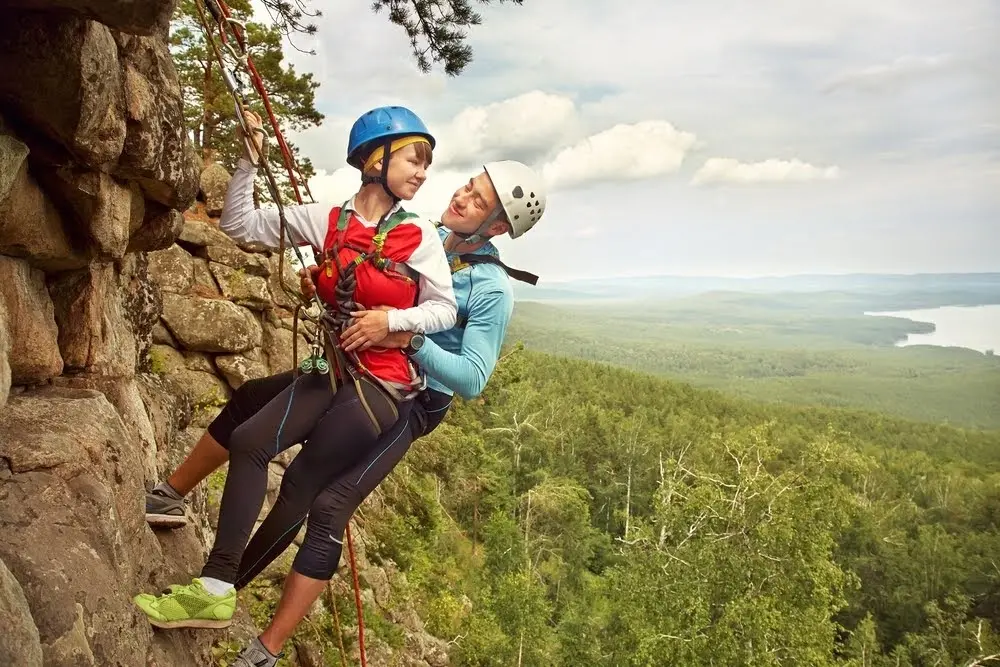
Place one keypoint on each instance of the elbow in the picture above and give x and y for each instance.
(241, 227)
(467, 393)
(446, 318)
(473, 388)
(229, 224)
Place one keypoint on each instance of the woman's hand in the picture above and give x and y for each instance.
(370, 327)
(256, 127)
(307, 280)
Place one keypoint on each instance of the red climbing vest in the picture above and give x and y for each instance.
(382, 278)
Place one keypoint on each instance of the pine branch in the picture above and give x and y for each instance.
(435, 29)
(289, 18)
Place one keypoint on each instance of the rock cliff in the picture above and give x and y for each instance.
(126, 320)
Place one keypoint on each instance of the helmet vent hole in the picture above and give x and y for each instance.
(517, 192)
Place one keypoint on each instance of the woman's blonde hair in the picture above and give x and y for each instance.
(423, 147)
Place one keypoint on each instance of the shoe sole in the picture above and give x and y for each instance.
(191, 623)
(166, 520)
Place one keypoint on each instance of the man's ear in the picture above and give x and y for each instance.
(498, 227)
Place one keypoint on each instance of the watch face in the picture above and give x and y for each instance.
(417, 342)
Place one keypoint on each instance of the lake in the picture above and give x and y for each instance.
(973, 327)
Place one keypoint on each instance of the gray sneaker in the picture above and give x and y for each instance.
(256, 655)
(163, 511)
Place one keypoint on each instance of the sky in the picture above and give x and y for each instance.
(708, 137)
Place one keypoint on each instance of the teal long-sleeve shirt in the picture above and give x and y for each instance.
(461, 359)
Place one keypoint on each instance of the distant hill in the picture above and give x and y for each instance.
(975, 288)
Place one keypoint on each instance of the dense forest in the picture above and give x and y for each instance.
(815, 349)
(579, 514)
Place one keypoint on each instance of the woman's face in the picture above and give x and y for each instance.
(408, 170)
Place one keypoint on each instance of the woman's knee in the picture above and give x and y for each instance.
(247, 399)
(244, 398)
(247, 443)
(295, 490)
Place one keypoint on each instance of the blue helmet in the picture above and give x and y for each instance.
(379, 125)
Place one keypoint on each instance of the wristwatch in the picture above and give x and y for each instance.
(416, 342)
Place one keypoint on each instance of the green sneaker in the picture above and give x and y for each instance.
(188, 606)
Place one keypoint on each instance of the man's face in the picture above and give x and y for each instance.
(471, 205)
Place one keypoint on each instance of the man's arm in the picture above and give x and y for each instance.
(466, 373)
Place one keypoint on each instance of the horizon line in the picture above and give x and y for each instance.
(761, 276)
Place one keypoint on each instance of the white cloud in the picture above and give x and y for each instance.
(529, 128)
(623, 152)
(728, 170)
(745, 79)
(521, 127)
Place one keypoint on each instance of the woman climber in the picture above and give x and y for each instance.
(373, 253)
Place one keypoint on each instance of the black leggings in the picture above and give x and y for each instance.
(336, 431)
(344, 489)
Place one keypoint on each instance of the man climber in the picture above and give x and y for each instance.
(507, 197)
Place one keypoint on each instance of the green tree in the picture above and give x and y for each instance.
(209, 110)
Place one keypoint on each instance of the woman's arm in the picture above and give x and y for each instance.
(240, 220)
(436, 308)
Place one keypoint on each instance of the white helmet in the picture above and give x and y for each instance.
(521, 193)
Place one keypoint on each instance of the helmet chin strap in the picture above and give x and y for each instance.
(383, 178)
(477, 236)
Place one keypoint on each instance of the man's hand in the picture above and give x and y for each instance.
(307, 280)
(370, 327)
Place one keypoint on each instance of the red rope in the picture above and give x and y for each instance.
(286, 155)
(357, 598)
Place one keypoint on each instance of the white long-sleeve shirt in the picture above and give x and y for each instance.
(436, 309)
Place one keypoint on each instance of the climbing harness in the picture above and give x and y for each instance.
(374, 251)
(464, 260)
(322, 340)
